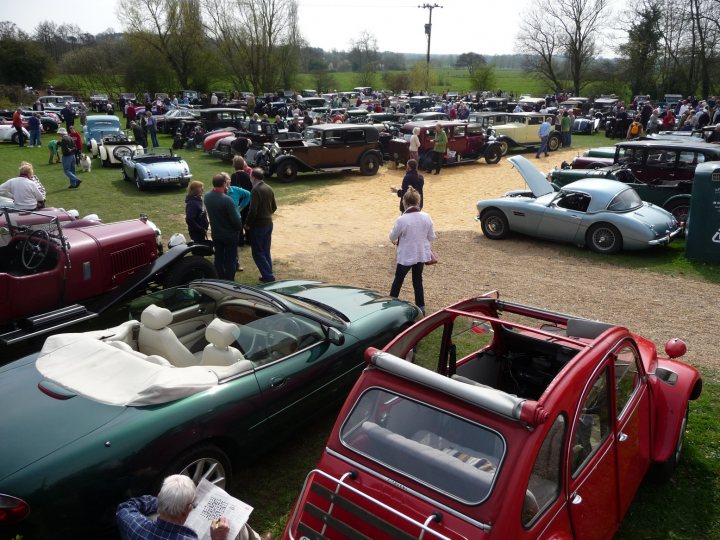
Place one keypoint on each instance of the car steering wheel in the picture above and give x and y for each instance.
(35, 249)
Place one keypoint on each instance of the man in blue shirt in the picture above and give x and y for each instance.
(544, 134)
(173, 505)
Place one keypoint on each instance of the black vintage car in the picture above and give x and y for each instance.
(220, 117)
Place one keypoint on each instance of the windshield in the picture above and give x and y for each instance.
(438, 449)
(313, 135)
(625, 200)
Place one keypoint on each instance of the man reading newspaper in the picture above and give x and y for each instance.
(186, 513)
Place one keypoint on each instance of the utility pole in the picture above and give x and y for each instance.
(428, 31)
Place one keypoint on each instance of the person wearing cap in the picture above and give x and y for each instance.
(67, 149)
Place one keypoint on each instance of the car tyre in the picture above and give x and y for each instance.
(662, 472)
(604, 238)
(187, 269)
(369, 165)
(494, 224)
(139, 183)
(679, 208)
(553, 142)
(493, 154)
(205, 462)
(503, 148)
(287, 171)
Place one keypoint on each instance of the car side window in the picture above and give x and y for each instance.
(459, 132)
(592, 425)
(627, 378)
(546, 475)
(355, 136)
(578, 202)
(334, 137)
(687, 160)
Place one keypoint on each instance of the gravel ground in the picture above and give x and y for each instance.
(340, 235)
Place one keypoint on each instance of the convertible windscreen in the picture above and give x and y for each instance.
(438, 449)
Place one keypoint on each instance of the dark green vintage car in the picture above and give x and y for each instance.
(199, 381)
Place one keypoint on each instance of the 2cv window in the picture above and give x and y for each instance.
(544, 483)
(447, 453)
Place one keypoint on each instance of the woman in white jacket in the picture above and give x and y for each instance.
(412, 232)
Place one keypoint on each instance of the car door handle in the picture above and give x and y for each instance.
(576, 499)
(622, 437)
(276, 382)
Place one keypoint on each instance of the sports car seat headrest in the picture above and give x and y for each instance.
(155, 317)
(221, 334)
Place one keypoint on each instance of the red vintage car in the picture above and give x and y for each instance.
(56, 271)
(467, 143)
(490, 419)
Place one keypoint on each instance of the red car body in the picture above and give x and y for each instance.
(55, 271)
(539, 429)
(212, 138)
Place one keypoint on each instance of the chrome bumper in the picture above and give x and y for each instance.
(667, 239)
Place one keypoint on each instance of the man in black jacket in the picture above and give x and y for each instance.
(260, 224)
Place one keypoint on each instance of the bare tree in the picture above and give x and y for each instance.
(365, 58)
(259, 41)
(172, 29)
(538, 40)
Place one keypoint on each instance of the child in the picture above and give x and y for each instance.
(53, 146)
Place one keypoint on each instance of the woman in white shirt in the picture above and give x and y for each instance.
(414, 144)
(412, 232)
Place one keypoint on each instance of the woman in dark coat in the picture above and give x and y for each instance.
(411, 179)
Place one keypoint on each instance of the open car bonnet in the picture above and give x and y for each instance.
(535, 180)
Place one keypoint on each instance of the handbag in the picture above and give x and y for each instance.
(433, 258)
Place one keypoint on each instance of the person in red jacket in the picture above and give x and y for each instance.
(78, 142)
(668, 121)
(17, 123)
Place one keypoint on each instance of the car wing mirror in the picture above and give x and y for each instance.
(335, 336)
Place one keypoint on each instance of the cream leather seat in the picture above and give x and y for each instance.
(156, 338)
(218, 352)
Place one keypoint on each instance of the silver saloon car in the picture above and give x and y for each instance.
(606, 215)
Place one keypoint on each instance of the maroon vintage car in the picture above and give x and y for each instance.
(490, 419)
(466, 143)
(56, 271)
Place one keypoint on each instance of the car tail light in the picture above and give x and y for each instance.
(12, 509)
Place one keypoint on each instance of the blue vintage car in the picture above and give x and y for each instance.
(603, 214)
(201, 380)
(99, 126)
(155, 167)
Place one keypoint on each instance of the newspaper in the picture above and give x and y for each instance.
(212, 503)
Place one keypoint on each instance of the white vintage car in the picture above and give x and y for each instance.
(114, 148)
(9, 133)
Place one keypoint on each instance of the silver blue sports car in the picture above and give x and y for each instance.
(156, 167)
(606, 215)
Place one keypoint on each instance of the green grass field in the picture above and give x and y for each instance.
(686, 508)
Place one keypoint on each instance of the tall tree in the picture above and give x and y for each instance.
(470, 61)
(538, 40)
(172, 29)
(365, 58)
(259, 41)
(641, 51)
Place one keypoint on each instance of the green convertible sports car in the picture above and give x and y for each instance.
(200, 380)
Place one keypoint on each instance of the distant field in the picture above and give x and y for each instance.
(508, 80)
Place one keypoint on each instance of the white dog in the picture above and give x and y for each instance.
(85, 163)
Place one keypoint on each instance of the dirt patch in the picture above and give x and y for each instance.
(341, 235)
